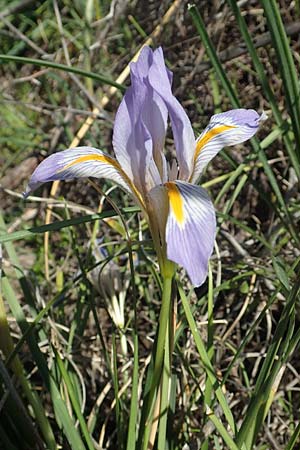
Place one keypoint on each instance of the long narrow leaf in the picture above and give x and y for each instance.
(287, 66)
(205, 360)
(227, 86)
(55, 226)
(63, 67)
(265, 84)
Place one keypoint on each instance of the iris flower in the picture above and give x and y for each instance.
(180, 213)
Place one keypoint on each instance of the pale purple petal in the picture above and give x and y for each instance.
(77, 163)
(224, 129)
(184, 138)
(191, 229)
(140, 125)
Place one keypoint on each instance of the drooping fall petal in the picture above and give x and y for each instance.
(191, 229)
(224, 129)
(77, 163)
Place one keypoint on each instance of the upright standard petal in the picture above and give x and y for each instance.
(184, 138)
(224, 129)
(77, 163)
(191, 229)
(140, 127)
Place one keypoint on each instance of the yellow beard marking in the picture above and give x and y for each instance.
(110, 162)
(210, 135)
(176, 202)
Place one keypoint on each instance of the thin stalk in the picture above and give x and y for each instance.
(131, 437)
(210, 337)
(159, 356)
(165, 390)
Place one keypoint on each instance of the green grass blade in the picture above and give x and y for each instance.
(205, 360)
(134, 406)
(287, 66)
(55, 226)
(275, 358)
(294, 439)
(164, 394)
(230, 444)
(74, 401)
(228, 88)
(59, 405)
(63, 67)
(265, 85)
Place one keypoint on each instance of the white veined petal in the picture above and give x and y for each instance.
(190, 229)
(224, 129)
(79, 162)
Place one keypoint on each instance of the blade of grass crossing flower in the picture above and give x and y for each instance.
(287, 66)
(228, 88)
(206, 361)
(74, 401)
(265, 85)
(55, 226)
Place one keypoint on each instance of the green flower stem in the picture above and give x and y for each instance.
(165, 391)
(167, 272)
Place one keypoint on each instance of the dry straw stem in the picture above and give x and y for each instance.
(96, 110)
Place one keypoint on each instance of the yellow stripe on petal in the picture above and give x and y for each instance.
(110, 162)
(101, 158)
(210, 135)
(176, 201)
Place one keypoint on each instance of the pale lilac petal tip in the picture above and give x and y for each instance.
(224, 129)
(142, 65)
(239, 117)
